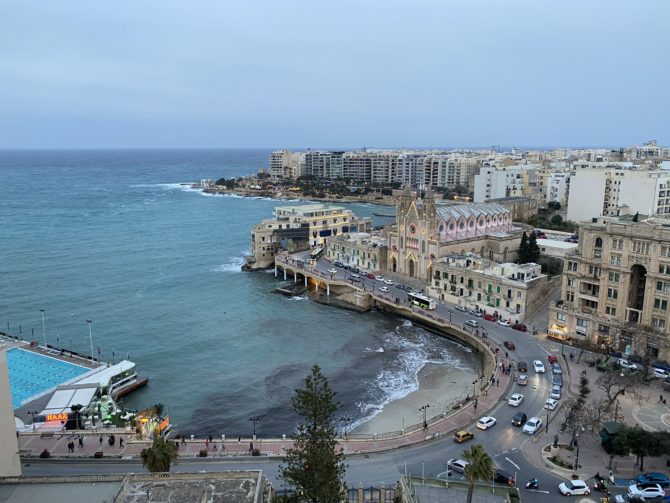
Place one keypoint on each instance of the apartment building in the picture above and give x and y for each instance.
(557, 188)
(498, 182)
(362, 250)
(324, 164)
(297, 228)
(478, 283)
(616, 287)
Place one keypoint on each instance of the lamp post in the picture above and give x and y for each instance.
(33, 413)
(424, 408)
(44, 329)
(474, 388)
(255, 420)
(90, 336)
(481, 383)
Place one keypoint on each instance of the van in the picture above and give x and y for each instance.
(472, 323)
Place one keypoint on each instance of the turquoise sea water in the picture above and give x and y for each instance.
(112, 237)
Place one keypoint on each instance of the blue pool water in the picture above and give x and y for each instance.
(31, 374)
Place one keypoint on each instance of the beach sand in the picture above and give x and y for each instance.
(440, 387)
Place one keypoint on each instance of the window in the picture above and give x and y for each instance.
(658, 323)
(662, 286)
(581, 322)
(612, 293)
(611, 310)
(570, 297)
(665, 251)
(594, 271)
(613, 277)
(571, 282)
(572, 266)
(560, 316)
(617, 244)
(518, 294)
(615, 260)
(641, 247)
(661, 304)
(664, 269)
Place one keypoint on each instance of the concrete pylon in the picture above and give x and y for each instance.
(10, 463)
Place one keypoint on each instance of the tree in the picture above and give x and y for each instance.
(523, 249)
(314, 465)
(479, 467)
(615, 383)
(557, 220)
(159, 456)
(642, 443)
(533, 250)
(76, 410)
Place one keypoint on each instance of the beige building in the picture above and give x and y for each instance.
(360, 249)
(424, 233)
(616, 287)
(477, 283)
(297, 228)
(10, 463)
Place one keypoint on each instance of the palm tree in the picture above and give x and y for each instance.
(158, 457)
(479, 467)
(76, 410)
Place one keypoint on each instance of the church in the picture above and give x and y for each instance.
(425, 232)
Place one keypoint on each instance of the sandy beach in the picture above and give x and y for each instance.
(439, 386)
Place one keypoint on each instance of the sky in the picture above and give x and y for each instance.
(333, 74)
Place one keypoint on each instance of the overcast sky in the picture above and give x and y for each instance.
(333, 73)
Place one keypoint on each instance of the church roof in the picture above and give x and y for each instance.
(476, 210)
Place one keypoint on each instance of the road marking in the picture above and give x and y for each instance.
(513, 464)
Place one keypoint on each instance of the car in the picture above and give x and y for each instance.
(462, 436)
(486, 422)
(457, 465)
(504, 323)
(356, 270)
(626, 364)
(515, 400)
(522, 367)
(520, 327)
(355, 276)
(632, 498)
(399, 286)
(661, 364)
(460, 308)
(572, 487)
(384, 289)
(647, 490)
(379, 278)
(472, 323)
(509, 345)
(522, 380)
(519, 419)
(332, 270)
(532, 425)
(338, 263)
(557, 380)
(489, 317)
(538, 366)
(476, 313)
(370, 275)
(653, 478)
(550, 404)
(502, 477)
(660, 373)
(556, 368)
(555, 393)
(388, 282)
(552, 359)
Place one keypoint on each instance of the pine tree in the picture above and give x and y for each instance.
(523, 249)
(314, 466)
(533, 251)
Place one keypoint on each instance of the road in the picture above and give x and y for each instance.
(502, 441)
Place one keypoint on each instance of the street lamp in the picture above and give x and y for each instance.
(474, 388)
(424, 408)
(44, 329)
(33, 413)
(90, 336)
(577, 456)
(255, 420)
(481, 382)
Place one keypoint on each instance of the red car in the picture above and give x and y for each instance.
(371, 276)
(489, 317)
(552, 358)
(520, 327)
(509, 345)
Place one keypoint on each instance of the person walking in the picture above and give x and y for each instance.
(100, 440)
(120, 442)
(80, 440)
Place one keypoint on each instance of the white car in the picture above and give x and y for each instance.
(572, 487)
(532, 425)
(332, 270)
(555, 393)
(515, 400)
(463, 309)
(379, 278)
(626, 364)
(647, 490)
(538, 366)
(383, 289)
(486, 422)
(388, 282)
(472, 323)
(457, 465)
(504, 323)
(550, 404)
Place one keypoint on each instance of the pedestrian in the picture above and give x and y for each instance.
(176, 444)
(475, 404)
(100, 440)
(506, 354)
(80, 440)
(660, 399)
(120, 442)
(497, 382)
(183, 440)
(572, 356)
(207, 443)
(251, 447)
(214, 446)
(664, 401)
(239, 438)
(210, 438)
(223, 446)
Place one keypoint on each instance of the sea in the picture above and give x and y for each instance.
(119, 238)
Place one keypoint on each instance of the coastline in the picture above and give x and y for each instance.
(440, 386)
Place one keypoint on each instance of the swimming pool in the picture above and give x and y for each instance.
(32, 374)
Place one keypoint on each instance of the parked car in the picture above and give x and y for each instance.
(509, 345)
(462, 436)
(338, 263)
(520, 327)
(556, 368)
(515, 400)
(522, 367)
(538, 366)
(504, 323)
(399, 286)
(502, 477)
(384, 289)
(522, 380)
(573, 487)
(519, 419)
(660, 373)
(627, 364)
(555, 393)
(457, 465)
(557, 380)
(460, 308)
(647, 490)
(476, 313)
(653, 478)
(550, 404)
(472, 323)
(489, 317)
(355, 277)
(552, 359)
(660, 364)
(388, 282)
(379, 278)
(486, 422)
(370, 276)
(332, 270)
(532, 425)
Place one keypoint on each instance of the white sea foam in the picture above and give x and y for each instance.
(298, 297)
(234, 264)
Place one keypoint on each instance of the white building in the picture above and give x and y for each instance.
(557, 184)
(497, 183)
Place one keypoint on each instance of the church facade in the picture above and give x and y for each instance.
(425, 232)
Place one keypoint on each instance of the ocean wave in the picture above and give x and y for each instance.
(234, 264)
(378, 350)
(298, 297)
